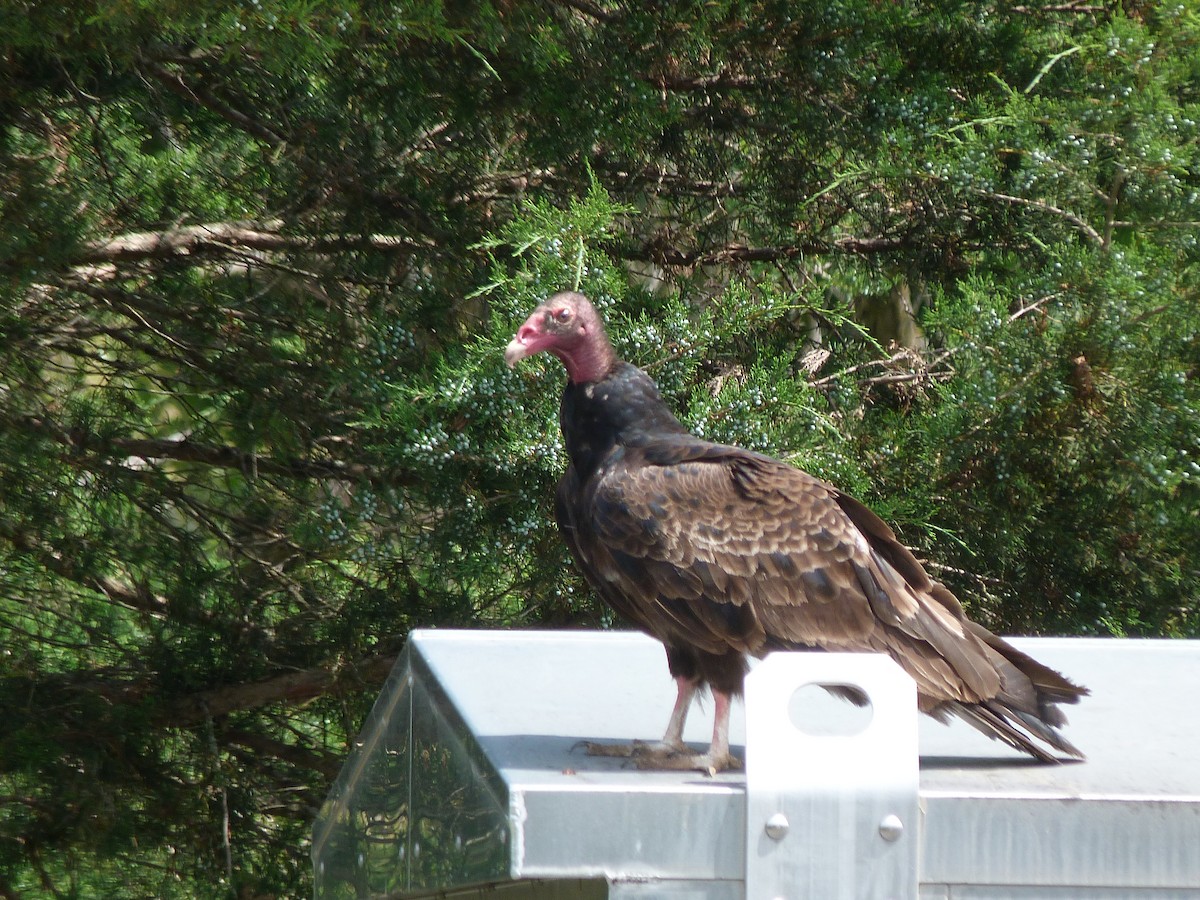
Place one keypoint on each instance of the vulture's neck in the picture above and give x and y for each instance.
(622, 409)
(592, 361)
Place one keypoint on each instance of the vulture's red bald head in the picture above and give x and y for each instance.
(567, 326)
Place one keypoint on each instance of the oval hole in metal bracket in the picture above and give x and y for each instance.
(830, 710)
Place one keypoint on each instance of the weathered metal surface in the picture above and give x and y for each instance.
(831, 804)
(468, 773)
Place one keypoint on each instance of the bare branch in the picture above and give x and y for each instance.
(1078, 8)
(187, 450)
(865, 245)
(896, 359)
(291, 689)
(735, 253)
(135, 450)
(222, 237)
(1111, 199)
(328, 764)
(1087, 230)
(718, 81)
(128, 595)
(198, 95)
(591, 10)
(975, 576)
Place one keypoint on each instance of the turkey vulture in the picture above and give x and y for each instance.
(721, 553)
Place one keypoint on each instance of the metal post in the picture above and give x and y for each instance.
(831, 816)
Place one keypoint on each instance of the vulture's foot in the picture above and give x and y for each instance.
(666, 757)
(638, 750)
(709, 763)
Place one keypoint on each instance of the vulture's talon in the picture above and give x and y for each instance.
(705, 763)
(637, 750)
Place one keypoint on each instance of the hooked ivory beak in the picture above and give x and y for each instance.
(515, 352)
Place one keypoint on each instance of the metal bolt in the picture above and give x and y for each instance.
(890, 828)
(776, 827)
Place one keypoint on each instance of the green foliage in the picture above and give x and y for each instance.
(1075, 431)
(258, 262)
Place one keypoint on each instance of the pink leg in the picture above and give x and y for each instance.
(718, 751)
(717, 759)
(672, 753)
(683, 702)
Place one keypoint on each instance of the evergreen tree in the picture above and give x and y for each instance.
(259, 260)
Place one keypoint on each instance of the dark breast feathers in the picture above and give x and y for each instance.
(723, 552)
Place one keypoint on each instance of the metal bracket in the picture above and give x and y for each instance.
(831, 812)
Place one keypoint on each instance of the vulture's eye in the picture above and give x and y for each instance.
(563, 315)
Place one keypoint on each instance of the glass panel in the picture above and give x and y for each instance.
(460, 826)
(416, 805)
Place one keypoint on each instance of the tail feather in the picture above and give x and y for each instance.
(1019, 730)
(1049, 734)
(1050, 685)
(1024, 713)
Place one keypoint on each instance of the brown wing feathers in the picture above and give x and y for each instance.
(733, 551)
